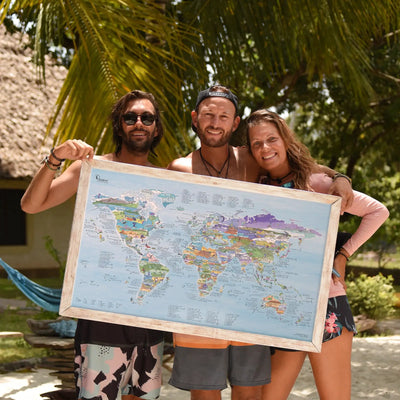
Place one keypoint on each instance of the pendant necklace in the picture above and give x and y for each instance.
(279, 180)
(207, 164)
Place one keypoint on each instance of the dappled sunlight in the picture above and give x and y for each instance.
(375, 371)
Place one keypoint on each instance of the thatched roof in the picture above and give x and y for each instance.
(25, 107)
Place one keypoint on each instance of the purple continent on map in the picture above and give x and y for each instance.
(216, 241)
(257, 240)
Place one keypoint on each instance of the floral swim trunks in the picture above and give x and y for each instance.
(101, 370)
(338, 316)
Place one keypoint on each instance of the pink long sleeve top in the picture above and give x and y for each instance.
(372, 212)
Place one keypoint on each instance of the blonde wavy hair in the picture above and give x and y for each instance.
(300, 161)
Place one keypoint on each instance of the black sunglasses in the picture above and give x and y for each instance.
(131, 118)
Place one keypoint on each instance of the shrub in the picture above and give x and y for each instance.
(372, 296)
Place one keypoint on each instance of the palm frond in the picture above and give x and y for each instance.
(113, 55)
(261, 42)
(261, 49)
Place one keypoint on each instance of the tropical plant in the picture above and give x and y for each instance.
(372, 296)
(175, 48)
(118, 45)
(361, 139)
(55, 254)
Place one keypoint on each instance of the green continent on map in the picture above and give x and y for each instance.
(255, 241)
(250, 246)
(153, 272)
(132, 225)
(272, 302)
(209, 266)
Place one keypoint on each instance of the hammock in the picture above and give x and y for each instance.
(44, 297)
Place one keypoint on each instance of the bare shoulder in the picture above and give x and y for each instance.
(243, 167)
(242, 151)
(183, 164)
(246, 157)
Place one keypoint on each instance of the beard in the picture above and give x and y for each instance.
(210, 141)
(135, 145)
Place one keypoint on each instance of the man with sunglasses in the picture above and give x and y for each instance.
(108, 358)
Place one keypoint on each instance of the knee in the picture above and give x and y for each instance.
(246, 393)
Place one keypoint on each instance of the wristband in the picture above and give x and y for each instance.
(47, 163)
(58, 159)
(46, 160)
(344, 255)
(337, 175)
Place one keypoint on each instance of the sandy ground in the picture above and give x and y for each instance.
(375, 369)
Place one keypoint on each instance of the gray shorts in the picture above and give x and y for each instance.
(209, 369)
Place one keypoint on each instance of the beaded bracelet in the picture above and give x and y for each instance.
(47, 160)
(47, 163)
(339, 175)
(58, 159)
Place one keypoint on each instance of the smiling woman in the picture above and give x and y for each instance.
(278, 151)
(288, 162)
(269, 149)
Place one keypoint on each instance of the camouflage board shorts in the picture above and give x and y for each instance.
(101, 371)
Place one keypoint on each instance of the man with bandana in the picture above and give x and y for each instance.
(203, 365)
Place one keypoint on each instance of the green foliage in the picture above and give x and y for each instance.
(112, 46)
(55, 254)
(371, 296)
(17, 349)
(386, 189)
(13, 319)
(264, 50)
(360, 139)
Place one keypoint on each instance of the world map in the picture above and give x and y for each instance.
(192, 254)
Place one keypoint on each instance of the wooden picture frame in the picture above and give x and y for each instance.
(199, 255)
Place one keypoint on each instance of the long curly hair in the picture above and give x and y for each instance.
(300, 161)
(120, 108)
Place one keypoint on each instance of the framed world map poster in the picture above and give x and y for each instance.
(205, 256)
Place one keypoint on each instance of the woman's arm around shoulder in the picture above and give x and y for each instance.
(372, 212)
(183, 164)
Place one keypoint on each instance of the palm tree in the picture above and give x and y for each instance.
(263, 47)
(176, 48)
(118, 46)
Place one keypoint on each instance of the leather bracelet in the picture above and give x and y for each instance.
(47, 163)
(58, 159)
(344, 255)
(339, 175)
(47, 160)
